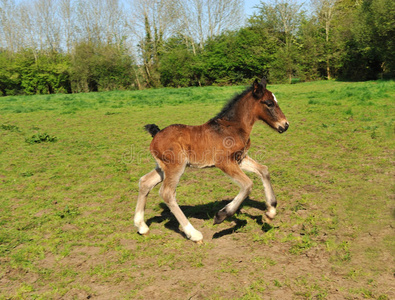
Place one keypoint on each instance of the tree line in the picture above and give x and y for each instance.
(70, 46)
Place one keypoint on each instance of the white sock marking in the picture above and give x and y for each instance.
(192, 233)
(140, 224)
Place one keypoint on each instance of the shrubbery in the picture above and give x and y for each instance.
(356, 44)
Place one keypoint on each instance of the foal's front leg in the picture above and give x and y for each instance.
(245, 183)
(250, 165)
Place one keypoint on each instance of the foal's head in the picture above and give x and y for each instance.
(267, 109)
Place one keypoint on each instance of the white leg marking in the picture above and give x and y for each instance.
(147, 182)
(192, 233)
(271, 212)
(248, 164)
(168, 193)
(140, 224)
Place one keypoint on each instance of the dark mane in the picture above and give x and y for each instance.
(227, 112)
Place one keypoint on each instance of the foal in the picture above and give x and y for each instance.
(222, 142)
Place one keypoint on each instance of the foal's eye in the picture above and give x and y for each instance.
(269, 103)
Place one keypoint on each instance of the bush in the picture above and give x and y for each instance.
(41, 138)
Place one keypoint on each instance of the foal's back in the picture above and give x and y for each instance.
(197, 146)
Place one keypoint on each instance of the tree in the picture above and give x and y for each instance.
(325, 11)
(42, 73)
(311, 54)
(9, 79)
(179, 66)
(374, 32)
(153, 23)
(204, 19)
(66, 16)
(281, 19)
(101, 67)
(238, 56)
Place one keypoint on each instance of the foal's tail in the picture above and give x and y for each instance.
(152, 129)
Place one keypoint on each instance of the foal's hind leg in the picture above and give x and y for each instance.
(168, 193)
(250, 165)
(245, 183)
(147, 182)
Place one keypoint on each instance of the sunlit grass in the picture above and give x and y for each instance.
(67, 205)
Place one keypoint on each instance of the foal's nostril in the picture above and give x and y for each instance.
(283, 129)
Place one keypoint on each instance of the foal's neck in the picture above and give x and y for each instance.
(244, 117)
(237, 116)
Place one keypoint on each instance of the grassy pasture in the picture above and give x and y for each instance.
(69, 171)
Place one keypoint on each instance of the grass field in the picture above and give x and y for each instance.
(69, 171)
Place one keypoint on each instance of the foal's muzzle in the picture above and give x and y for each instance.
(282, 129)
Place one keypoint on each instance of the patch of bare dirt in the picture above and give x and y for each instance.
(229, 265)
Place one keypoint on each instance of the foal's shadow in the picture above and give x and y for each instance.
(207, 212)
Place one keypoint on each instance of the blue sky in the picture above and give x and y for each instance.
(248, 6)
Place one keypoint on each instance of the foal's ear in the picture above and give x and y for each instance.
(257, 89)
(264, 82)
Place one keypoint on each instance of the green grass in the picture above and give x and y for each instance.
(69, 171)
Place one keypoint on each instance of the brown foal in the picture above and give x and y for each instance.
(222, 142)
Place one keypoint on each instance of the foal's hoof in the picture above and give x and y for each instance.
(193, 234)
(220, 217)
(268, 220)
(143, 229)
(143, 233)
(270, 214)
